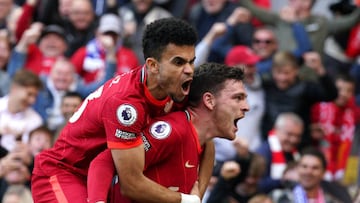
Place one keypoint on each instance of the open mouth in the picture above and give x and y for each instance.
(235, 121)
(186, 86)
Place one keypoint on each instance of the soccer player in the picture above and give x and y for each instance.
(114, 116)
(173, 143)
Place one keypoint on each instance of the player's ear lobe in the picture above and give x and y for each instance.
(209, 100)
(152, 64)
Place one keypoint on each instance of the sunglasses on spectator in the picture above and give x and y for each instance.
(266, 41)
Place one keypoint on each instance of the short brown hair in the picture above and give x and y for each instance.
(27, 78)
(285, 58)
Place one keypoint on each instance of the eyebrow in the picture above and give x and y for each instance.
(183, 59)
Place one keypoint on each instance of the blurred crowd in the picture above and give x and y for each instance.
(299, 141)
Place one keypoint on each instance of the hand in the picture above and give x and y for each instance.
(241, 146)
(31, 2)
(230, 169)
(32, 34)
(107, 43)
(216, 30)
(313, 60)
(317, 132)
(287, 14)
(239, 15)
(195, 189)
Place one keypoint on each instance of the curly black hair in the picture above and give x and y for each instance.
(211, 77)
(160, 33)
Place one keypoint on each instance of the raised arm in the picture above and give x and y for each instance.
(263, 15)
(344, 23)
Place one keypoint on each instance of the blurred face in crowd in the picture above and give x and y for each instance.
(5, 8)
(311, 172)
(69, 105)
(284, 76)
(18, 175)
(39, 141)
(346, 91)
(213, 6)
(264, 43)
(64, 7)
(23, 97)
(289, 134)
(62, 75)
(52, 45)
(81, 14)
(142, 6)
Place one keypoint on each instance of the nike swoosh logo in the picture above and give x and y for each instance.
(188, 165)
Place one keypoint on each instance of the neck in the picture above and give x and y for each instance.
(152, 85)
(202, 124)
(313, 192)
(12, 106)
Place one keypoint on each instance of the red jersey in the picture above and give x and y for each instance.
(113, 116)
(172, 152)
(172, 155)
(37, 62)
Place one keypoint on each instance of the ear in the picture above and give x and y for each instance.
(152, 65)
(209, 100)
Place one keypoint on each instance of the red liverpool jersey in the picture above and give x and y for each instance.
(113, 116)
(172, 152)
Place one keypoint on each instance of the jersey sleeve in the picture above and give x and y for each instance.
(123, 121)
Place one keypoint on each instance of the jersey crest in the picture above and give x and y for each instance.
(160, 130)
(126, 114)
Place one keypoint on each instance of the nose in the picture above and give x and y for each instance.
(245, 107)
(189, 68)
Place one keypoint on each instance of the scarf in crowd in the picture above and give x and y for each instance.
(278, 160)
(301, 197)
(94, 59)
(338, 125)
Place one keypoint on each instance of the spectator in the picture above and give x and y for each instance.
(265, 44)
(89, 61)
(70, 102)
(333, 127)
(5, 9)
(136, 15)
(41, 58)
(311, 187)
(77, 17)
(204, 14)
(40, 139)
(279, 149)
(15, 168)
(239, 178)
(318, 27)
(17, 117)
(285, 92)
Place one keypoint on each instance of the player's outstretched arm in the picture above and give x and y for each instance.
(134, 185)
(206, 166)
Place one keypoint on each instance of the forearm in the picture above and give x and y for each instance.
(206, 167)
(134, 185)
(263, 15)
(344, 23)
(16, 62)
